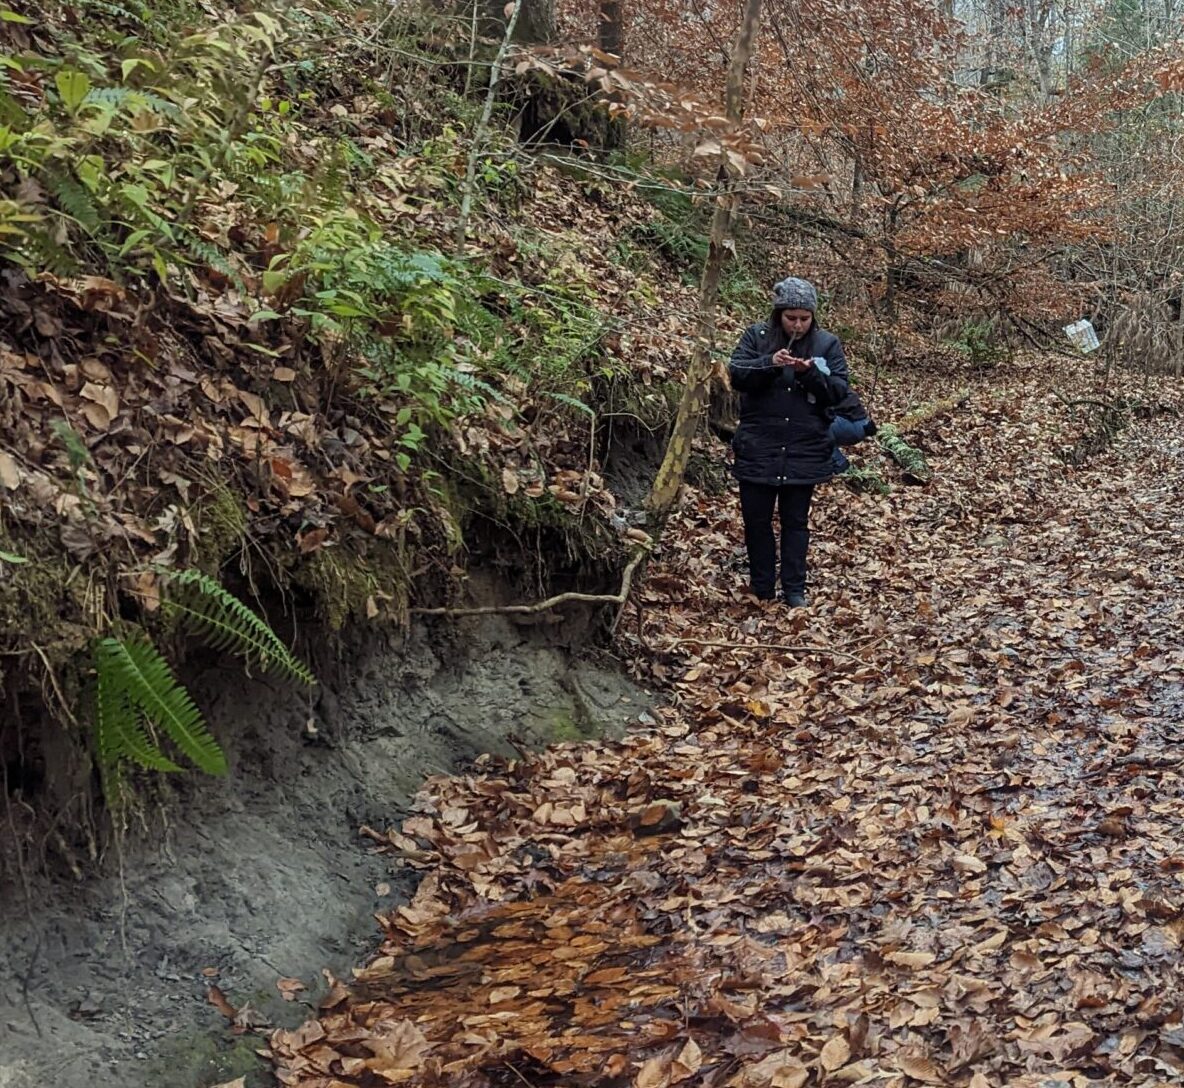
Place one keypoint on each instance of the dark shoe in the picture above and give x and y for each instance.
(796, 600)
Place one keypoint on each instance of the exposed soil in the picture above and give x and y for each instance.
(263, 875)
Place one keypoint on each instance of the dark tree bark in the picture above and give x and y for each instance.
(612, 41)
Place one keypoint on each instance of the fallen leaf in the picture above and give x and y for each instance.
(248, 1019)
(96, 415)
(218, 999)
(398, 1048)
(688, 1062)
(104, 395)
(781, 1069)
(653, 1074)
(789, 1077)
(968, 863)
(10, 473)
(99, 293)
(146, 587)
(996, 940)
(290, 987)
(835, 1054)
(616, 1065)
(910, 959)
(920, 1068)
(254, 405)
(309, 542)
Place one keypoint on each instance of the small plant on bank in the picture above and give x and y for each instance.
(139, 701)
(865, 480)
(979, 342)
(138, 698)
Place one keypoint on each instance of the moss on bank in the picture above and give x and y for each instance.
(358, 580)
(219, 521)
(199, 1058)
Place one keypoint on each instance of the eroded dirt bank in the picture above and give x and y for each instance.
(263, 875)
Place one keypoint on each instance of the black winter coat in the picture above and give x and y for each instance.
(784, 432)
(851, 407)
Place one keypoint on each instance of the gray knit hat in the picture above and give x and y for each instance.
(795, 294)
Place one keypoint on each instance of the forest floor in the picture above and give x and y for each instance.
(924, 831)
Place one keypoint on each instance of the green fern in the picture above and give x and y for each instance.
(121, 731)
(75, 201)
(476, 387)
(114, 11)
(137, 689)
(205, 607)
(138, 695)
(210, 255)
(572, 402)
(133, 100)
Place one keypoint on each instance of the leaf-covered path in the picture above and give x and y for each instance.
(947, 855)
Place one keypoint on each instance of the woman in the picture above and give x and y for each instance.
(791, 376)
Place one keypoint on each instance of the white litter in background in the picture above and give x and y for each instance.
(1083, 335)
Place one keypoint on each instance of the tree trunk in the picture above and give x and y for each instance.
(612, 30)
(477, 146)
(534, 22)
(612, 40)
(664, 494)
(537, 24)
(996, 19)
(1037, 35)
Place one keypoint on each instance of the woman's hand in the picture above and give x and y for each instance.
(784, 358)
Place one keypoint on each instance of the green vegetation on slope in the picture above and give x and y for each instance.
(240, 337)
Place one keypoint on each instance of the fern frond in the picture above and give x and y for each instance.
(75, 201)
(477, 386)
(133, 100)
(204, 606)
(120, 731)
(212, 256)
(168, 704)
(572, 402)
(392, 270)
(150, 687)
(114, 11)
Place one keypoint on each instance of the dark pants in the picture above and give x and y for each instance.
(757, 502)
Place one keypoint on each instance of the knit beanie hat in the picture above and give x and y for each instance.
(795, 294)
